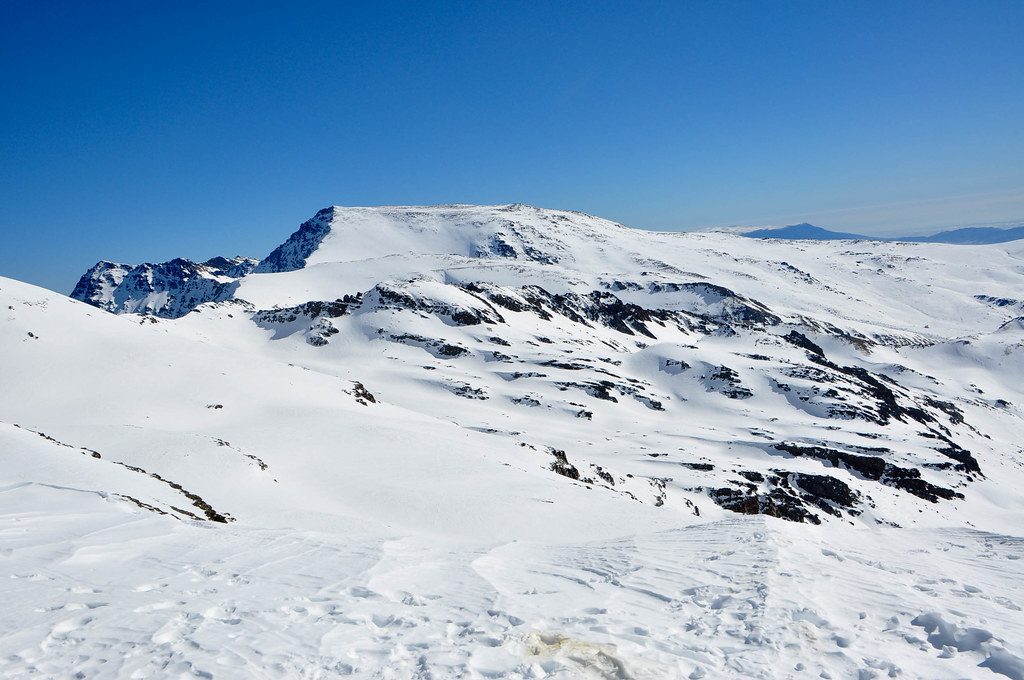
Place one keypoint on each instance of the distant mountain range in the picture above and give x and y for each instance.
(964, 236)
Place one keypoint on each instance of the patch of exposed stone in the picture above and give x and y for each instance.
(561, 465)
(438, 348)
(880, 391)
(873, 468)
(310, 310)
(1000, 302)
(256, 459)
(603, 389)
(395, 297)
(292, 254)
(319, 313)
(787, 495)
(195, 499)
(726, 381)
(465, 390)
(168, 290)
(594, 308)
(362, 395)
(198, 502)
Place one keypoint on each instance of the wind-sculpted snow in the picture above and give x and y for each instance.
(461, 441)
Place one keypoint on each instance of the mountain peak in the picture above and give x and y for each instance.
(512, 231)
(803, 231)
(167, 289)
(292, 254)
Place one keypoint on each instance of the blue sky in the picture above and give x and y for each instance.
(142, 131)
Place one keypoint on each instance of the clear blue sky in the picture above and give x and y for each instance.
(141, 131)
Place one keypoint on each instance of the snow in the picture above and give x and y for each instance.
(140, 596)
(421, 531)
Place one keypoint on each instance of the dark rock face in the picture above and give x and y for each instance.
(597, 308)
(233, 267)
(726, 381)
(102, 275)
(362, 394)
(467, 391)
(562, 466)
(801, 340)
(320, 333)
(447, 350)
(825, 492)
(496, 246)
(787, 495)
(316, 313)
(721, 308)
(875, 469)
(438, 348)
(292, 254)
(736, 309)
(311, 310)
(168, 289)
(392, 296)
(777, 503)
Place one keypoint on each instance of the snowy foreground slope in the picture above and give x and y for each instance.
(479, 442)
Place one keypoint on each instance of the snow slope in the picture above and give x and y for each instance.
(461, 441)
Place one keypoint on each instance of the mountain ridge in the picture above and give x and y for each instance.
(459, 442)
(961, 236)
(168, 289)
(351, 273)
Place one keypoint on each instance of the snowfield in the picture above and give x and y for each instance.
(505, 442)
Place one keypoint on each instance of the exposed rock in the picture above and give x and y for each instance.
(874, 469)
(292, 254)
(362, 394)
(169, 290)
(725, 380)
(310, 310)
(562, 466)
(723, 304)
(778, 503)
(801, 340)
(409, 297)
(466, 390)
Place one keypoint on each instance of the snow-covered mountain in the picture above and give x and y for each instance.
(564, 318)
(535, 443)
(168, 290)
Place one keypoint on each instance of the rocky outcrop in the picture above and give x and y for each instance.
(168, 289)
(292, 254)
(313, 318)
